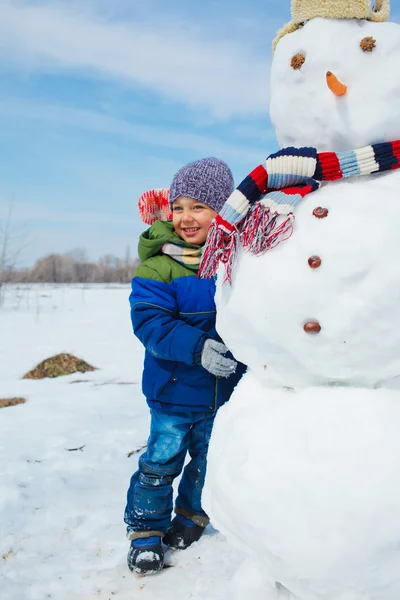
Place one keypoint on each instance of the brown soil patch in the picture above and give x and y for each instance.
(4, 402)
(59, 365)
(8, 554)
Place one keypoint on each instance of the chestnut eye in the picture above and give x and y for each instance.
(298, 61)
(367, 44)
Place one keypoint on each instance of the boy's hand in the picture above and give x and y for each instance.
(214, 361)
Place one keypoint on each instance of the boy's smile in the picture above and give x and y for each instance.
(192, 219)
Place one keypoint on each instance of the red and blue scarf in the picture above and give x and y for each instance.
(259, 214)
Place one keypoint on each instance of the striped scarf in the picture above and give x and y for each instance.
(259, 214)
(190, 257)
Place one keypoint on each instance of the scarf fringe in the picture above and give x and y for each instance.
(263, 230)
(257, 224)
(221, 247)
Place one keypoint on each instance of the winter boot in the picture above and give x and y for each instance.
(146, 555)
(182, 533)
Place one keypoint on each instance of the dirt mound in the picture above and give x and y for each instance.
(56, 366)
(4, 402)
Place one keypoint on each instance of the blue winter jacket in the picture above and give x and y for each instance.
(173, 313)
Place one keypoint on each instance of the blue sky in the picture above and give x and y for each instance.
(103, 99)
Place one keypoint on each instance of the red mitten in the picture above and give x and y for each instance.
(154, 205)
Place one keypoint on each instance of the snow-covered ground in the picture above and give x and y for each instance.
(62, 534)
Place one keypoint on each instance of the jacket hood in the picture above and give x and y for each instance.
(160, 233)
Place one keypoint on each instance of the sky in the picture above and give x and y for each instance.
(101, 100)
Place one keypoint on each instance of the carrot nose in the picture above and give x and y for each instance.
(336, 86)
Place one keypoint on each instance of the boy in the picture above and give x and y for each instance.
(187, 374)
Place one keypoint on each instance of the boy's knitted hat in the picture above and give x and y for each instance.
(208, 180)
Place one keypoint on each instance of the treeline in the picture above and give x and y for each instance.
(74, 267)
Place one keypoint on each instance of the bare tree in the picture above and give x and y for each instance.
(74, 267)
(11, 245)
(5, 242)
(78, 255)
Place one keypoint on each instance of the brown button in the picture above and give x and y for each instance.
(312, 327)
(315, 262)
(320, 212)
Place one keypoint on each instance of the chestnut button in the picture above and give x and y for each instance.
(320, 212)
(314, 262)
(312, 327)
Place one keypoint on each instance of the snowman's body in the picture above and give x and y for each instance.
(354, 294)
(304, 460)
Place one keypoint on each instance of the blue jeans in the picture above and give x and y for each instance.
(149, 503)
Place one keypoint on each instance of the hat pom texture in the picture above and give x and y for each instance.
(154, 206)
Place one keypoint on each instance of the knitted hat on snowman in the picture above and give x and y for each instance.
(305, 10)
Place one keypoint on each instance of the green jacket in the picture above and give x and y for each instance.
(156, 265)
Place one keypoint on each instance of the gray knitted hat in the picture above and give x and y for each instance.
(208, 180)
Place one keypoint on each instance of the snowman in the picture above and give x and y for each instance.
(304, 462)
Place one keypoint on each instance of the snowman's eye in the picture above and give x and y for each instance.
(298, 61)
(367, 44)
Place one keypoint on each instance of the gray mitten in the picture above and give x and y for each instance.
(214, 361)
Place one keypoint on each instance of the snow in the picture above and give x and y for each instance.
(303, 462)
(308, 482)
(354, 295)
(62, 534)
(303, 109)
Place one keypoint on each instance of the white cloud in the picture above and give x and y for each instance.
(91, 120)
(221, 76)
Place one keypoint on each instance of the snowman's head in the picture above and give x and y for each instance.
(335, 84)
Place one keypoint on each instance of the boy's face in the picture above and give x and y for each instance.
(192, 219)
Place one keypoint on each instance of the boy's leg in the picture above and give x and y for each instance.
(188, 502)
(149, 501)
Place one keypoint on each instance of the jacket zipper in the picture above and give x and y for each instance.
(215, 394)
